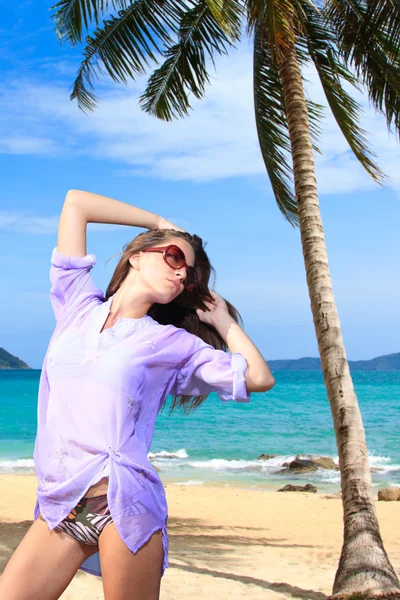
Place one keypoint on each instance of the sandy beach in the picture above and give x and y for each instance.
(226, 542)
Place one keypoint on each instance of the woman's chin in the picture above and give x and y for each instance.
(166, 298)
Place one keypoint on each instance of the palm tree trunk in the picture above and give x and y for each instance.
(364, 566)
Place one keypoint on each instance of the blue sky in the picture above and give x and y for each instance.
(205, 173)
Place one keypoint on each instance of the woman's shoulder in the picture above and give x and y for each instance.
(179, 342)
(173, 332)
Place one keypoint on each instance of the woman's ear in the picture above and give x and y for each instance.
(134, 260)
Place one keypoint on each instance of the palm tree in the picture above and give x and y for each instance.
(352, 41)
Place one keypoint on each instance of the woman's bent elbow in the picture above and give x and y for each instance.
(267, 385)
(263, 385)
(71, 195)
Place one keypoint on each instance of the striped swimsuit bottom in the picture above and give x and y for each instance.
(87, 520)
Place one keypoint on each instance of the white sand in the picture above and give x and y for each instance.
(226, 542)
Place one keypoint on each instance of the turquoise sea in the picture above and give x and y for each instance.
(220, 442)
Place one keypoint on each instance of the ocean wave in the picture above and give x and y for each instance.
(13, 466)
(188, 482)
(327, 476)
(223, 464)
(168, 454)
(378, 460)
(173, 462)
(263, 467)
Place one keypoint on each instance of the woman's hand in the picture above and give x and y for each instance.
(258, 375)
(162, 223)
(218, 310)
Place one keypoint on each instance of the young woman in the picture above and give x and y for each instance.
(110, 364)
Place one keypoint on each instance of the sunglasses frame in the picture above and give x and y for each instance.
(164, 250)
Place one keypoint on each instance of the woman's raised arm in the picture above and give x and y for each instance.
(81, 208)
(258, 374)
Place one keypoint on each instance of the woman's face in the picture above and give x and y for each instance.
(165, 282)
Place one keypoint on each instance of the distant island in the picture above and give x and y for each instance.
(8, 361)
(390, 362)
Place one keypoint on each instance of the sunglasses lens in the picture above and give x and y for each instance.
(175, 257)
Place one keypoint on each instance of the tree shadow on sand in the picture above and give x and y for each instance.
(10, 536)
(205, 543)
(192, 540)
(281, 588)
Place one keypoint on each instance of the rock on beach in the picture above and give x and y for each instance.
(308, 465)
(389, 494)
(299, 488)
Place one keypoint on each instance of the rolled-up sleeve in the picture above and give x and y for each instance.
(71, 283)
(205, 369)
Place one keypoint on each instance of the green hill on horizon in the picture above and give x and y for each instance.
(8, 361)
(390, 362)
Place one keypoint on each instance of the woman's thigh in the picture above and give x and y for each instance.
(127, 576)
(43, 564)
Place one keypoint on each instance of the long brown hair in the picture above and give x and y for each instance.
(181, 312)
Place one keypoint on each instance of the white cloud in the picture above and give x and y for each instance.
(27, 145)
(48, 225)
(40, 225)
(218, 140)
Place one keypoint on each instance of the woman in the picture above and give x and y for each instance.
(110, 364)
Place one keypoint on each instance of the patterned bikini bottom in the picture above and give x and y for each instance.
(87, 520)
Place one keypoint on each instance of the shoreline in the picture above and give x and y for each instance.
(268, 487)
(271, 484)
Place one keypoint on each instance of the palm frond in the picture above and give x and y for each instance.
(368, 38)
(228, 15)
(384, 15)
(126, 44)
(319, 41)
(273, 18)
(72, 16)
(281, 20)
(184, 70)
(272, 127)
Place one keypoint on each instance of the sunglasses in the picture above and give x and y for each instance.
(175, 258)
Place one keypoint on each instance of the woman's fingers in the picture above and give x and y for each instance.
(164, 224)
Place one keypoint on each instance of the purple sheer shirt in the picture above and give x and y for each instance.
(99, 396)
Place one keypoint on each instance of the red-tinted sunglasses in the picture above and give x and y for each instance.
(175, 258)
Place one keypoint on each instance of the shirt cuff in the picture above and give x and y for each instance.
(72, 262)
(239, 391)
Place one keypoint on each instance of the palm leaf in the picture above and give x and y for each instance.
(126, 44)
(280, 20)
(228, 15)
(184, 70)
(368, 39)
(272, 18)
(272, 127)
(72, 16)
(319, 41)
(384, 15)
